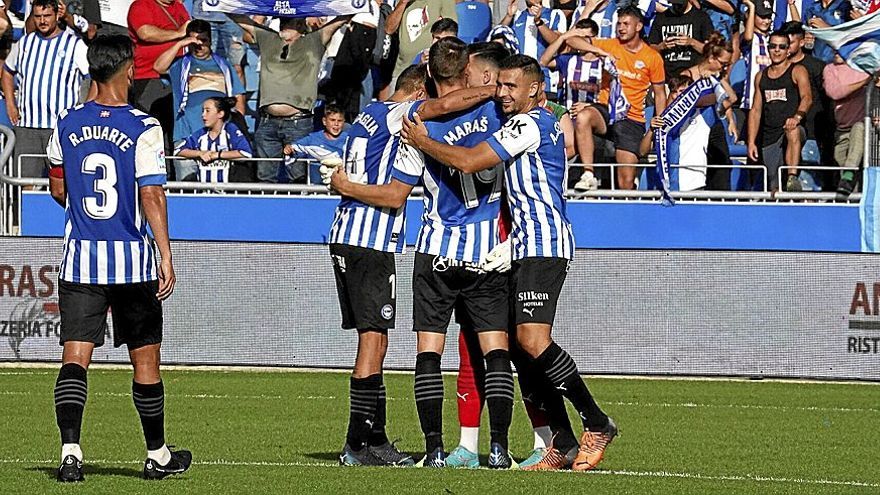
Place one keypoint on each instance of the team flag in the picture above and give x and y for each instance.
(857, 41)
(290, 8)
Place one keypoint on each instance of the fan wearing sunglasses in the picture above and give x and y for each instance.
(775, 131)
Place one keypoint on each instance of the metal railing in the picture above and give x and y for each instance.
(12, 184)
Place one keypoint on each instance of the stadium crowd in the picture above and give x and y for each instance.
(289, 88)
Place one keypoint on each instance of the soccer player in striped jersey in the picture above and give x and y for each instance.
(531, 144)
(458, 230)
(367, 230)
(108, 168)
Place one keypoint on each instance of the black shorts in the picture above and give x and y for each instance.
(366, 285)
(535, 287)
(628, 135)
(442, 284)
(137, 313)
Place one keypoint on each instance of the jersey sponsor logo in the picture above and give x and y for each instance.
(512, 129)
(441, 263)
(531, 300)
(529, 311)
(388, 311)
(339, 261)
(639, 64)
(160, 159)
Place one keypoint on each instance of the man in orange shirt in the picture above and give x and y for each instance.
(640, 68)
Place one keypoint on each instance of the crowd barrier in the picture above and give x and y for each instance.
(657, 312)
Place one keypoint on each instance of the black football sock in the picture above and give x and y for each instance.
(362, 413)
(71, 389)
(378, 436)
(149, 400)
(562, 371)
(429, 398)
(499, 394)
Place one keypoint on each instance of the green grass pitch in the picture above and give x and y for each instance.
(253, 432)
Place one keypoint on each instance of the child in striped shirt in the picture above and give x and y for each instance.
(213, 145)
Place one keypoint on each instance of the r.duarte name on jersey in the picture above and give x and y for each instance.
(101, 132)
(465, 128)
(368, 122)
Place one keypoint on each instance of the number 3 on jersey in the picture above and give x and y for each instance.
(104, 203)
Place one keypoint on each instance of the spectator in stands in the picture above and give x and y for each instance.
(154, 27)
(819, 139)
(678, 34)
(846, 87)
(585, 89)
(196, 76)
(604, 12)
(50, 69)
(717, 58)
(822, 14)
(226, 36)
(475, 20)
(81, 17)
(330, 139)
(753, 45)
(352, 63)
(415, 16)
(215, 144)
(535, 28)
(289, 61)
(443, 28)
(641, 69)
(776, 132)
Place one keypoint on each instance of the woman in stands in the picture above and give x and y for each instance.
(717, 59)
(216, 143)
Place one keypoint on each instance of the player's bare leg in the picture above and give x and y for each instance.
(626, 175)
(588, 123)
(561, 370)
(148, 394)
(71, 390)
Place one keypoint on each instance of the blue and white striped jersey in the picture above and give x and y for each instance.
(531, 42)
(108, 154)
(757, 57)
(533, 147)
(49, 73)
(461, 210)
(370, 153)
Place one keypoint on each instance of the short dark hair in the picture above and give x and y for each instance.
(198, 26)
(587, 23)
(107, 55)
(780, 34)
(793, 28)
(447, 59)
(526, 64)
(53, 4)
(488, 52)
(333, 108)
(675, 82)
(445, 25)
(631, 11)
(412, 78)
(224, 104)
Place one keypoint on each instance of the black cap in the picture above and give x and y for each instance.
(764, 8)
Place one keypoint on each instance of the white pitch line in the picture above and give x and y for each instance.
(693, 405)
(612, 472)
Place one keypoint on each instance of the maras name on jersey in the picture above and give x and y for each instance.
(103, 133)
(465, 128)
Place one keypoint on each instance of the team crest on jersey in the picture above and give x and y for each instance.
(104, 114)
(640, 65)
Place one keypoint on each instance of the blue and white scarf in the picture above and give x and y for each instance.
(290, 8)
(184, 77)
(507, 35)
(676, 115)
(618, 105)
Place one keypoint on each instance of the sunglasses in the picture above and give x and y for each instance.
(777, 46)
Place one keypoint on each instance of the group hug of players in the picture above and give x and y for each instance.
(474, 149)
(491, 159)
